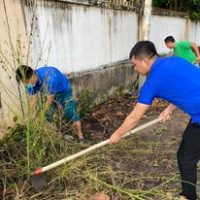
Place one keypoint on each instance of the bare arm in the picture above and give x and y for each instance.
(48, 102)
(196, 50)
(165, 114)
(33, 99)
(50, 99)
(129, 123)
(31, 103)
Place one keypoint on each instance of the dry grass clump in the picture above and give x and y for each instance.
(140, 167)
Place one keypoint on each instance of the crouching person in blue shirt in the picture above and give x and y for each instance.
(51, 83)
(176, 81)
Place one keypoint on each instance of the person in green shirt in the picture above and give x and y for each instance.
(184, 49)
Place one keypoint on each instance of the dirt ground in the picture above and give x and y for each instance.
(102, 122)
(142, 166)
(156, 146)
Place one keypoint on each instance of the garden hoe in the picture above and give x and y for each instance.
(37, 178)
(196, 62)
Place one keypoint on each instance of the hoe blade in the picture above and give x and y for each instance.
(38, 182)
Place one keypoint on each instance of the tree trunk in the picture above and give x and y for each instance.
(175, 4)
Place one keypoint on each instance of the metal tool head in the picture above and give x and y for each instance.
(38, 182)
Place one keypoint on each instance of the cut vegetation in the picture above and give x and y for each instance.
(142, 166)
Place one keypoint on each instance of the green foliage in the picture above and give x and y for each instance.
(88, 102)
(192, 7)
(161, 3)
(28, 146)
(15, 118)
(85, 102)
(161, 129)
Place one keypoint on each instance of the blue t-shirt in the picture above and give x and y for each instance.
(50, 81)
(176, 81)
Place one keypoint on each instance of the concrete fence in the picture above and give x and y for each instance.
(87, 40)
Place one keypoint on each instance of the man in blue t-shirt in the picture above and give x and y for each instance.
(54, 88)
(178, 82)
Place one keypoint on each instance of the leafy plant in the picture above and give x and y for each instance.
(88, 102)
(192, 7)
(161, 129)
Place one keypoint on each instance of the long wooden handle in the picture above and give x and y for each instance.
(96, 146)
(195, 62)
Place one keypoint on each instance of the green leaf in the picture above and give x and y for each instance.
(15, 118)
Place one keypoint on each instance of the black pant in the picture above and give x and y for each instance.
(188, 156)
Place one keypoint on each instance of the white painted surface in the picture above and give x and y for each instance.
(13, 48)
(163, 26)
(83, 37)
(146, 19)
(79, 37)
(194, 32)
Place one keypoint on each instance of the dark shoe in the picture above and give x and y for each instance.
(82, 140)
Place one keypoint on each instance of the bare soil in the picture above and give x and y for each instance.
(142, 166)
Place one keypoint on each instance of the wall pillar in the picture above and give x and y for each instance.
(144, 27)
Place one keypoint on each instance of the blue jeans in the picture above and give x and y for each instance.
(65, 99)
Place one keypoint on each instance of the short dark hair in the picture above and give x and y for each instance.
(169, 39)
(143, 49)
(24, 72)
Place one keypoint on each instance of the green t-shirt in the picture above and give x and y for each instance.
(183, 50)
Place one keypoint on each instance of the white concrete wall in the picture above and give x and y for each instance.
(83, 37)
(194, 32)
(77, 38)
(13, 50)
(73, 38)
(163, 26)
(180, 28)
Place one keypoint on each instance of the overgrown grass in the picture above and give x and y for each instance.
(140, 167)
(130, 170)
(89, 101)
